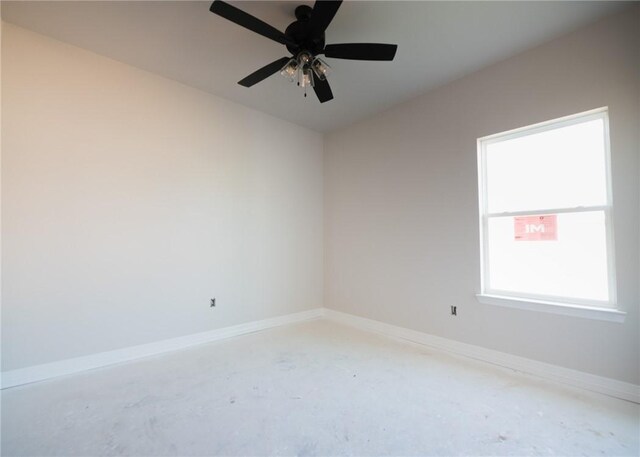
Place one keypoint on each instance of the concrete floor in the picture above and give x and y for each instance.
(315, 388)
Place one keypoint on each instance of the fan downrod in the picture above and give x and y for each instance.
(303, 12)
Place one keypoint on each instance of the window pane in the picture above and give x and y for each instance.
(560, 168)
(574, 265)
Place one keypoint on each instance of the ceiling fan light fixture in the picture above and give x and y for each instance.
(304, 58)
(290, 70)
(321, 68)
(306, 78)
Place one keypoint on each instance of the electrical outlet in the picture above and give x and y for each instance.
(213, 303)
(454, 310)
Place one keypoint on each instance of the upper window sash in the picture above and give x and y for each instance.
(517, 161)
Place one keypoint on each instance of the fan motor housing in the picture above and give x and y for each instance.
(299, 32)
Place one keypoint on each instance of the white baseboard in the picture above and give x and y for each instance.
(69, 366)
(607, 386)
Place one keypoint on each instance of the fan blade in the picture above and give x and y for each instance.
(322, 15)
(264, 72)
(248, 21)
(322, 90)
(361, 51)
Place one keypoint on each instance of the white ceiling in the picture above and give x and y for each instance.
(437, 43)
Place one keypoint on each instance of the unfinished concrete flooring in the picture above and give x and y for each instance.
(315, 388)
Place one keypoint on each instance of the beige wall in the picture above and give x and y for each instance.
(401, 204)
(130, 200)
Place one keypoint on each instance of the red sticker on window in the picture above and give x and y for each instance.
(536, 228)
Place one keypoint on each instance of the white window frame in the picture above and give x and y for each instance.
(604, 310)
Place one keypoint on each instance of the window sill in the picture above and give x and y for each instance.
(565, 309)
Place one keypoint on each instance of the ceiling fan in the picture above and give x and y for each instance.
(305, 40)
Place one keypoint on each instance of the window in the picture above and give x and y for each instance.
(545, 216)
